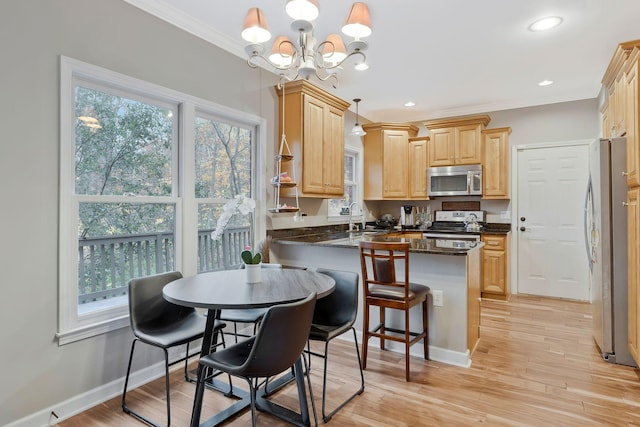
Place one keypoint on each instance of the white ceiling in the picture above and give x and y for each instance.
(450, 57)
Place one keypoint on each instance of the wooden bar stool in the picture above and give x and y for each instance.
(384, 288)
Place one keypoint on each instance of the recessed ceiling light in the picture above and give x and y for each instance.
(545, 23)
(410, 104)
(545, 83)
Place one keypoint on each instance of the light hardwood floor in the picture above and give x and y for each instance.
(536, 365)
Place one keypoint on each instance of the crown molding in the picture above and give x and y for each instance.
(179, 19)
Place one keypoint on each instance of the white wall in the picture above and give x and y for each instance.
(37, 375)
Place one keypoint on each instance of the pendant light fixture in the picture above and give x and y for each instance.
(357, 129)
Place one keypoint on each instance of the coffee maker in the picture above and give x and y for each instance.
(408, 216)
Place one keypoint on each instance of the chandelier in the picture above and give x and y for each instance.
(307, 59)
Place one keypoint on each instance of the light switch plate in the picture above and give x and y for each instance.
(438, 298)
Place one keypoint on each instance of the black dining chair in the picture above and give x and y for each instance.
(249, 315)
(334, 315)
(278, 344)
(159, 323)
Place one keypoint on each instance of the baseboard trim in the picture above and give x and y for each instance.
(438, 354)
(84, 401)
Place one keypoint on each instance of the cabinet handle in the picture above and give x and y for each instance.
(492, 243)
(479, 299)
(625, 173)
(625, 204)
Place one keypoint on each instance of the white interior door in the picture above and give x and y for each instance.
(552, 185)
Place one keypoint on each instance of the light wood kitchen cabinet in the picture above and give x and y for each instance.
(314, 128)
(632, 120)
(495, 163)
(633, 301)
(495, 271)
(417, 185)
(620, 103)
(388, 161)
(606, 120)
(456, 141)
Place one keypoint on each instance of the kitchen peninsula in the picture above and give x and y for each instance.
(449, 267)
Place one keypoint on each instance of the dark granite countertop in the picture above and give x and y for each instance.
(345, 239)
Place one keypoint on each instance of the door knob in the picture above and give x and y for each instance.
(522, 218)
(522, 228)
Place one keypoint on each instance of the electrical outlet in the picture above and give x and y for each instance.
(438, 298)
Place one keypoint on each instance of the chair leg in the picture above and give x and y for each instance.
(382, 326)
(166, 385)
(126, 378)
(235, 331)
(425, 326)
(130, 411)
(407, 344)
(307, 369)
(252, 393)
(365, 335)
(325, 417)
(187, 378)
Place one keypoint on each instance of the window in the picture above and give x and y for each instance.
(223, 169)
(339, 208)
(132, 203)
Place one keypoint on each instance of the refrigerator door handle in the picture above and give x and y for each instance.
(587, 242)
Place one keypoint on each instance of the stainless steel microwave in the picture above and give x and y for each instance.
(464, 180)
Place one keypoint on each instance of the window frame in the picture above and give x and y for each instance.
(71, 326)
(358, 178)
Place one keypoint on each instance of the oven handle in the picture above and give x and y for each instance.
(464, 236)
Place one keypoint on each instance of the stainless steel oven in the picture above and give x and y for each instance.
(453, 225)
(462, 236)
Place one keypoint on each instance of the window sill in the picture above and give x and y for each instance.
(92, 330)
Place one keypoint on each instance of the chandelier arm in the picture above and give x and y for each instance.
(277, 67)
(357, 52)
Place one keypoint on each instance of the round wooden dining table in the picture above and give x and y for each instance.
(228, 289)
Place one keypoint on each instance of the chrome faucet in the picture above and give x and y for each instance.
(351, 214)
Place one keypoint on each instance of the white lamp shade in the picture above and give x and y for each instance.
(255, 29)
(333, 50)
(306, 10)
(357, 130)
(282, 52)
(358, 23)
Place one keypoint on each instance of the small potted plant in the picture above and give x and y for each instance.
(253, 264)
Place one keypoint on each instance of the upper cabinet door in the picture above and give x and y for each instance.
(441, 147)
(495, 163)
(468, 145)
(313, 148)
(632, 121)
(396, 163)
(333, 152)
(418, 168)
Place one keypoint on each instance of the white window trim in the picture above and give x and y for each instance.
(359, 182)
(72, 327)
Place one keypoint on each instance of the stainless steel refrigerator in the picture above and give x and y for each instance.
(606, 237)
